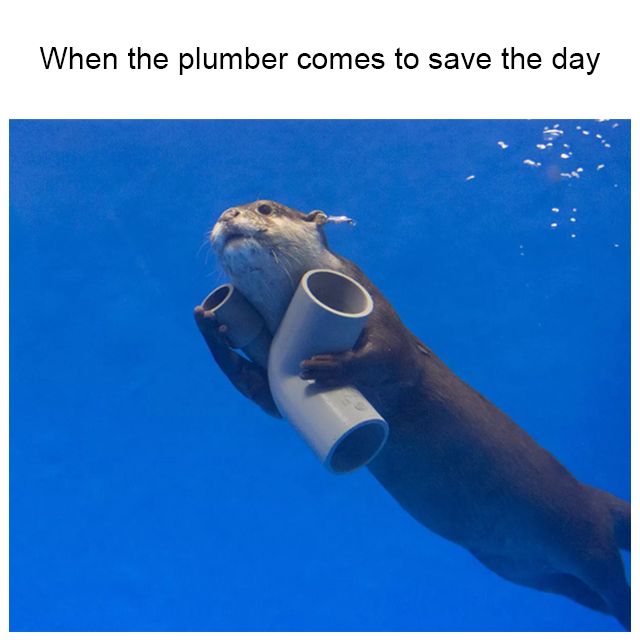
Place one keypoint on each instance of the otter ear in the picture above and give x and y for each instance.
(320, 218)
(317, 216)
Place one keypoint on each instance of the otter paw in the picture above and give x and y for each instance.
(330, 369)
(208, 325)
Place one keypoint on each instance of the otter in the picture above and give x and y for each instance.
(453, 460)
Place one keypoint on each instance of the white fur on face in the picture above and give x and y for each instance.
(268, 258)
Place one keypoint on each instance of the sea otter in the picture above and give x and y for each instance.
(453, 460)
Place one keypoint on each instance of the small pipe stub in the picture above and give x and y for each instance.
(246, 329)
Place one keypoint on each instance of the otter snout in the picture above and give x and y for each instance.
(235, 223)
(229, 214)
(221, 227)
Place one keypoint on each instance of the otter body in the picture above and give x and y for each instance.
(453, 460)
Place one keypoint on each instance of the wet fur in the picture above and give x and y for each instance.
(453, 460)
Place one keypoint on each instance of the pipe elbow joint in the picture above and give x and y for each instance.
(326, 315)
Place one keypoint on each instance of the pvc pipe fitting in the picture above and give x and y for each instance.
(246, 328)
(327, 313)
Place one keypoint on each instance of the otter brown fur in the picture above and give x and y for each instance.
(453, 460)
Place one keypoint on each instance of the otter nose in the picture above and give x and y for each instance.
(229, 214)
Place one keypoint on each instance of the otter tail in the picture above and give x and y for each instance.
(621, 513)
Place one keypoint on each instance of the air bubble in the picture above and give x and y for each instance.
(551, 134)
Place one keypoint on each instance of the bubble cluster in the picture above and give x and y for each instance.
(554, 134)
(559, 153)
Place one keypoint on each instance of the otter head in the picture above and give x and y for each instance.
(265, 247)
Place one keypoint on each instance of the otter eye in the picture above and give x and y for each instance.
(264, 209)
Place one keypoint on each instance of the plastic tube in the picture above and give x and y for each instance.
(246, 328)
(326, 315)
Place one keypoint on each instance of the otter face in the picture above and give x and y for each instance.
(263, 234)
(266, 247)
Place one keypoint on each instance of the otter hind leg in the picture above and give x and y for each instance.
(528, 575)
(604, 573)
(565, 584)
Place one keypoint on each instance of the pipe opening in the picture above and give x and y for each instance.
(338, 292)
(217, 297)
(357, 447)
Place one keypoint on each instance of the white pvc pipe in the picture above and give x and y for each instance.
(326, 315)
(246, 329)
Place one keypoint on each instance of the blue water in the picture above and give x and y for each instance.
(147, 494)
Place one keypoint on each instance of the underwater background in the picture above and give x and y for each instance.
(147, 494)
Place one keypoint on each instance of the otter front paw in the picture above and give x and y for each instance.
(329, 369)
(209, 327)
